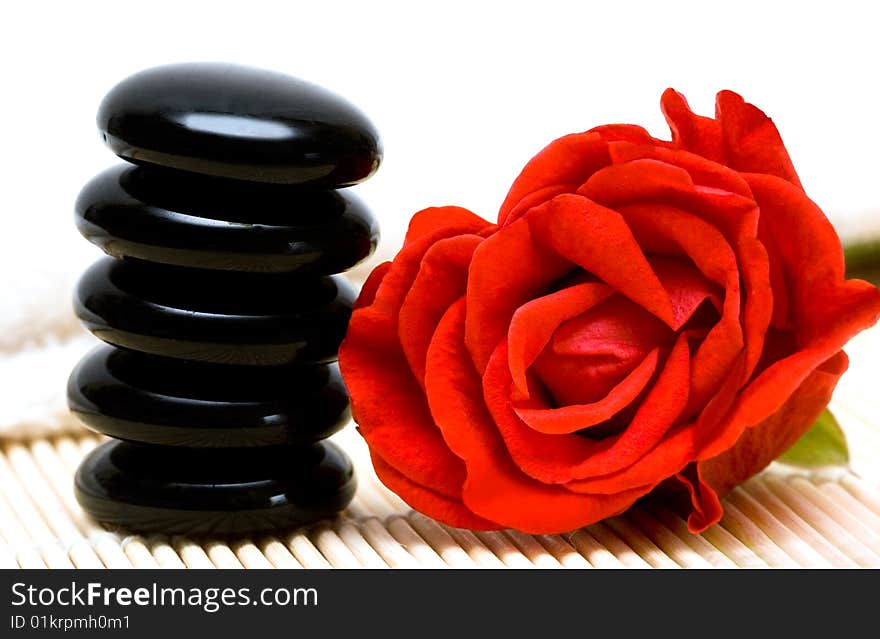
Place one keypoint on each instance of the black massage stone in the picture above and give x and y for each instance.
(221, 491)
(163, 216)
(215, 316)
(157, 400)
(219, 304)
(236, 122)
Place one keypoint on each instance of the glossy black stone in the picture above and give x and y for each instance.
(195, 221)
(214, 316)
(157, 400)
(224, 491)
(238, 122)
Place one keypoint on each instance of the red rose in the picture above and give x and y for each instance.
(644, 310)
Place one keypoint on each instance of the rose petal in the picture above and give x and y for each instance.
(400, 276)
(617, 328)
(676, 449)
(762, 443)
(806, 246)
(391, 411)
(536, 198)
(575, 417)
(778, 284)
(451, 512)
(829, 311)
(694, 133)
(561, 459)
(654, 181)
(495, 488)
(657, 414)
(713, 256)
(371, 285)
(598, 240)
(509, 269)
(666, 459)
(635, 181)
(737, 218)
(441, 280)
(563, 164)
(734, 215)
(441, 218)
(858, 306)
(686, 286)
(387, 402)
(589, 354)
(631, 133)
(760, 298)
(534, 323)
(702, 171)
(752, 143)
(707, 509)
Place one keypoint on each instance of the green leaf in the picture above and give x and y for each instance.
(863, 258)
(823, 445)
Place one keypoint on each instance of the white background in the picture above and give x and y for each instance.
(464, 93)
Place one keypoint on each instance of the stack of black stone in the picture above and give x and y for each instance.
(218, 301)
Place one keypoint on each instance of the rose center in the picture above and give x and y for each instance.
(592, 353)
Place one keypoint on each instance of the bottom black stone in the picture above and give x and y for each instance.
(222, 491)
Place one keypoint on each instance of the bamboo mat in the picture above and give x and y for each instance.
(829, 518)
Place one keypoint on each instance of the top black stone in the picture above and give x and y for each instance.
(238, 122)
